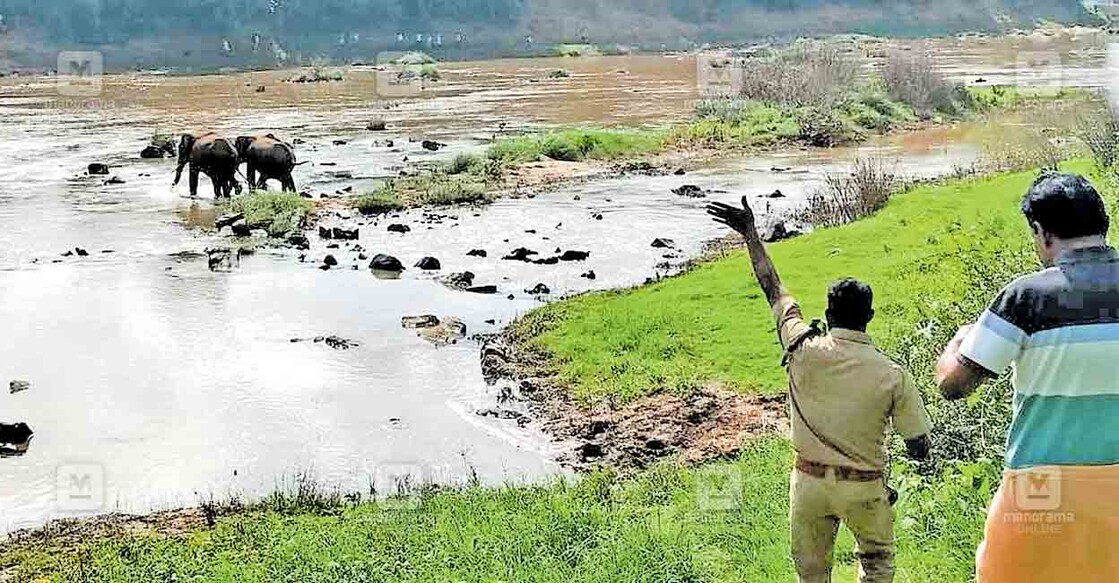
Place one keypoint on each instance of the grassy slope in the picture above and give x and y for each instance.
(668, 524)
(714, 324)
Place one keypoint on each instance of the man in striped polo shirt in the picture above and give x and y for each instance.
(1055, 517)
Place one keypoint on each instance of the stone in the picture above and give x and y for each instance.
(459, 280)
(382, 262)
(97, 168)
(227, 220)
(342, 234)
(449, 331)
(776, 194)
(115, 180)
(299, 242)
(779, 231)
(18, 386)
(589, 275)
(429, 264)
(415, 322)
(575, 255)
(520, 254)
(539, 290)
(659, 243)
(476, 253)
(241, 228)
(399, 228)
(152, 152)
(432, 146)
(483, 289)
(330, 261)
(689, 191)
(377, 125)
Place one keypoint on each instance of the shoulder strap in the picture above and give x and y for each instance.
(814, 329)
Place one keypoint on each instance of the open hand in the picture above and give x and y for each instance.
(739, 219)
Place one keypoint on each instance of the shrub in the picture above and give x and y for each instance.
(845, 198)
(807, 74)
(824, 128)
(279, 213)
(914, 79)
(383, 200)
(1100, 133)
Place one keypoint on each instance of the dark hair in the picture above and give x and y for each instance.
(850, 304)
(1066, 206)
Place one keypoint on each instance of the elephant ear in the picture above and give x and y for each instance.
(186, 143)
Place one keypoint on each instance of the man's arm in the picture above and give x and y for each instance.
(742, 221)
(956, 376)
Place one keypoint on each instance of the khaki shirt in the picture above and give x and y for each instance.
(848, 392)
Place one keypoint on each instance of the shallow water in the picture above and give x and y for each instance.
(164, 383)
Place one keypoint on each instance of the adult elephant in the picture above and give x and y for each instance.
(210, 154)
(270, 156)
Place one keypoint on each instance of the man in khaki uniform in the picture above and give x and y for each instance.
(843, 396)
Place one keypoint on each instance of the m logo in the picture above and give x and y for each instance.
(79, 73)
(80, 487)
(1038, 489)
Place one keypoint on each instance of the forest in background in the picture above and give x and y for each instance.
(216, 33)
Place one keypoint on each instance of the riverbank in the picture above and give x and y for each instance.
(934, 255)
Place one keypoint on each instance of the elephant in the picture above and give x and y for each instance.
(270, 156)
(213, 155)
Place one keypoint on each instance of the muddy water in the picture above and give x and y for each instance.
(157, 383)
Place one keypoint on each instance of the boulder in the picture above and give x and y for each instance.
(589, 275)
(776, 194)
(778, 231)
(241, 228)
(547, 261)
(659, 243)
(345, 234)
(97, 168)
(539, 290)
(483, 289)
(330, 261)
(449, 331)
(115, 180)
(18, 386)
(476, 253)
(299, 242)
(575, 255)
(520, 254)
(377, 125)
(152, 152)
(399, 228)
(227, 220)
(382, 262)
(432, 146)
(429, 264)
(689, 191)
(15, 433)
(459, 280)
(415, 322)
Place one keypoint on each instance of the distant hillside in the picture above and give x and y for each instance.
(146, 33)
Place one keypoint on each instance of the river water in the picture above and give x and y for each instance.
(157, 383)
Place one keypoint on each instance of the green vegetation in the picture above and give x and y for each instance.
(722, 522)
(279, 213)
(577, 144)
(577, 50)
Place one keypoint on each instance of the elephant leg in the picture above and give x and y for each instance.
(289, 183)
(251, 175)
(193, 181)
(218, 183)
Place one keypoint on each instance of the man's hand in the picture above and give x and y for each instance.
(739, 219)
(742, 220)
(956, 376)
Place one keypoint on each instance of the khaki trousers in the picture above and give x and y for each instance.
(816, 507)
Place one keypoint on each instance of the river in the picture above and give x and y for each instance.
(156, 383)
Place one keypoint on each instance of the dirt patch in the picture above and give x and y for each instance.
(708, 424)
(71, 532)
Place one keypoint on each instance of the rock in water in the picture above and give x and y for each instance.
(429, 264)
(398, 228)
(459, 280)
(382, 262)
(415, 322)
(659, 243)
(227, 220)
(97, 168)
(483, 289)
(330, 261)
(776, 194)
(689, 191)
(18, 386)
(520, 254)
(344, 234)
(299, 242)
(152, 152)
(432, 146)
(589, 275)
(15, 433)
(476, 253)
(575, 255)
(449, 331)
(779, 231)
(377, 125)
(539, 290)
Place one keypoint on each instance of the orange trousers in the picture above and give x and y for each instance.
(1053, 524)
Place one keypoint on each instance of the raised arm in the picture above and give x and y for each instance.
(742, 221)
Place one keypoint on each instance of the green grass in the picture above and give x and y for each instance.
(713, 324)
(281, 214)
(721, 522)
(378, 202)
(575, 145)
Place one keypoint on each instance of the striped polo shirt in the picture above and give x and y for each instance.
(1059, 328)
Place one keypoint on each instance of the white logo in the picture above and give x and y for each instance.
(1038, 489)
(79, 73)
(719, 489)
(398, 485)
(80, 487)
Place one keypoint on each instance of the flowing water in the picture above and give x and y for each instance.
(157, 383)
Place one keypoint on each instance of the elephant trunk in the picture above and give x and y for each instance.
(186, 144)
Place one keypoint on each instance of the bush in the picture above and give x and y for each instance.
(808, 74)
(1100, 134)
(914, 79)
(846, 198)
(383, 200)
(824, 128)
(279, 213)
